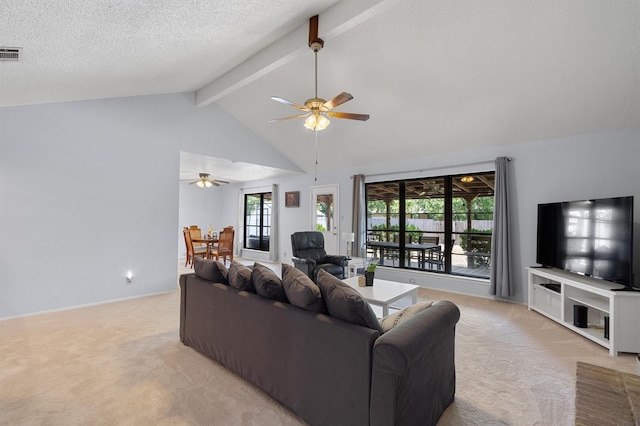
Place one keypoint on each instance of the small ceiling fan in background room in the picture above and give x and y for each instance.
(206, 182)
(317, 110)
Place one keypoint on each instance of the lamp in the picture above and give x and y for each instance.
(466, 179)
(349, 237)
(204, 184)
(316, 121)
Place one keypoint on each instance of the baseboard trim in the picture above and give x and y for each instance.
(86, 305)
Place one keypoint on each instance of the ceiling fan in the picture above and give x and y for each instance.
(205, 182)
(316, 110)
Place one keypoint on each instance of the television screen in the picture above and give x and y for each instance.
(590, 237)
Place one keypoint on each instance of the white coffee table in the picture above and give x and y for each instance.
(353, 264)
(383, 293)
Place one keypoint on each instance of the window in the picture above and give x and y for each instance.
(257, 221)
(441, 224)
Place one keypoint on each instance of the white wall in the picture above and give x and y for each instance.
(89, 190)
(572, 168)
(199, 206)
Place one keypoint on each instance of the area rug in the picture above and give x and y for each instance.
(606, 397)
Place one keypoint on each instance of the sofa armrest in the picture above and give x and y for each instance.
(413, 373)
(336, 260)
(184, 278)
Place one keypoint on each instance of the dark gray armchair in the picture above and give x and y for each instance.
(310, 256)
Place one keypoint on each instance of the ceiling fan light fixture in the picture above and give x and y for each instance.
(316, 122)
(200, 184)
(466, 179)
(316, 110)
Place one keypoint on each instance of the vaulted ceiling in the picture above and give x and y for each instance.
(434, 75)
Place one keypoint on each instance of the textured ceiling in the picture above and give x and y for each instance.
(92, 49)
(435, 75)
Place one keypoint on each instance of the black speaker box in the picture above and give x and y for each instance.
(580, 316)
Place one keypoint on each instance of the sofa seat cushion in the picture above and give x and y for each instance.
(240, 277)
(210, 270)
(392, 320)
(345, 303)
(267, 283)
(301, 290)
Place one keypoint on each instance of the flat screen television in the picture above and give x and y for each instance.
(589, 237)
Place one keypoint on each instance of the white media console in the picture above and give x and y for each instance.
(554, 293)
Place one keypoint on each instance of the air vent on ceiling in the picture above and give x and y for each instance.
(10, 54)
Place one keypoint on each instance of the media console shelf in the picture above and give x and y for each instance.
(554, 293)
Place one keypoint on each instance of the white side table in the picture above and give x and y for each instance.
(353, 264)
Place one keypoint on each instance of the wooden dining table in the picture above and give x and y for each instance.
(210, 242)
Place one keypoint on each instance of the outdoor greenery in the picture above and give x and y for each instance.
(394, 230)
(327, 212)
(473, 246)
(481, 208)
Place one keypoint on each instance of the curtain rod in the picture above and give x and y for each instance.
(474, 163)
(257, 187)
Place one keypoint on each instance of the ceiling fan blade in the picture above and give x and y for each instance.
(338, 100)
(288, 118)
(220, 181)
(286, 102)
(350, 116)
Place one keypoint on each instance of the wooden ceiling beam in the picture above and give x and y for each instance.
(487, 182)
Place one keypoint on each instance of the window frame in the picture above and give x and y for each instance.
(264, 222)
(452, 237)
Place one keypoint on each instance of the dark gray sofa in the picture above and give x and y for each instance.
(327, 371)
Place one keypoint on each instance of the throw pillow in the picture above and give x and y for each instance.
(240, 277)
(210, 270)
(267, 283)
(345, 303)
(301, 290)
(391, 320)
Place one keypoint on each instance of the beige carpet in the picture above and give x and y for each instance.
(606, 397)
(123, 364)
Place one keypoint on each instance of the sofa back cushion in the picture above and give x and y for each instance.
(301, 290)
(210, 270)
(267, 283)
(240, 277)
(345, 303)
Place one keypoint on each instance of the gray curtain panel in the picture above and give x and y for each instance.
(501, 283)
(359, 218)
(273, 234)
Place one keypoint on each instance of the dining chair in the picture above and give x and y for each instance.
(225, 244)
(191, 250)
(196, 234)
(436, 257)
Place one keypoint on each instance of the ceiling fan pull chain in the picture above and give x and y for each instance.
(315, 172)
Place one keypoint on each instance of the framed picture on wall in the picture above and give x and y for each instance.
(292, 199)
